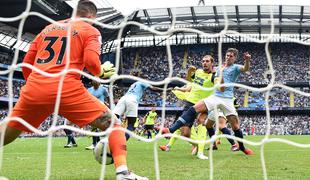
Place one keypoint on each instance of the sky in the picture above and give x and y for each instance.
(126, 7)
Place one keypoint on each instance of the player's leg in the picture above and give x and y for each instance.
(188, 116)
(131, 111)
(69, 138)
(120, 107)
(232, 117)
(223, 128)
(148, 131)
(96, 114)
(95, 140)
(171, 142)
(130, 125)
(201, 135)
(186, 131)
(10, 134)
(234, 121)
(29, 113)
(210, 129)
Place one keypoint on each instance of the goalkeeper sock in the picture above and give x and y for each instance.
(173, 139)
(117, 144)
(238, 133)
(225, 130)
(187, 117)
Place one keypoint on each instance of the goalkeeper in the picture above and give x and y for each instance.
(48, 53)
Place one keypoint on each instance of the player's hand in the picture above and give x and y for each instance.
(224, 65)
(192, 69)
(247, 56)
(176, 88)
(107, 70)
(170, 89)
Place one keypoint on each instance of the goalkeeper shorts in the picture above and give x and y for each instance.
(79, 107)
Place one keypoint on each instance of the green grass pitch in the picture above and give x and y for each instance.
(26, 159)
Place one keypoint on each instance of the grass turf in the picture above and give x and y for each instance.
(26, 159)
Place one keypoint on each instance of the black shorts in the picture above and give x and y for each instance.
(148, 127)
(187, 105)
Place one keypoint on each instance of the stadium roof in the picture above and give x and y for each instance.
(245, 19)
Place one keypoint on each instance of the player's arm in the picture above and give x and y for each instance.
(191, 73)
(218, 79)
(92, 52)
(106, 95)
(247, 58)
(31, 55)
(144, 118)
(185, 88)
(158, 89)
(91, 56)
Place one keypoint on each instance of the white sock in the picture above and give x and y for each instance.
(121, 168)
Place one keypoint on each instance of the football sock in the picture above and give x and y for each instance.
(130, 126)
(149, 135)
(201, 135)
(225, 130)
(211, 132)
(187, 117)
(72, 139)
(238, 133)
(117, 144)
(94, 140)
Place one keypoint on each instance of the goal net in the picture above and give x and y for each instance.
(167, 33)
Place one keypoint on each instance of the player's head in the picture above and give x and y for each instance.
(86, 9)
(231, 56)
(95, 84)
(207, 63)
(153, 109)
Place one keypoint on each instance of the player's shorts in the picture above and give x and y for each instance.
(226, 105)
(127, 106)
(187, 105)
(148, 127)
(211, 115)
(37, 102)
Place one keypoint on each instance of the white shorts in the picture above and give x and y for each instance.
(226, 105)
(211, 115)
(127, 106)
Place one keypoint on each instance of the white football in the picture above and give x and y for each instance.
(99, 151)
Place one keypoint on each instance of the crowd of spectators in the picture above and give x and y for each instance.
(279, 125)
(250, 124)
(17, 84)
(288, 65)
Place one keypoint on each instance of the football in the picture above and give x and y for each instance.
(99, 151)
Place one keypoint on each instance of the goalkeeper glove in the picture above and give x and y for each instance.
(107, 70)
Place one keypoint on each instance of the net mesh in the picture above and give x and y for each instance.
(272, 84)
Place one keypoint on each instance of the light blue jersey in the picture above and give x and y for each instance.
(137, 89)
(230, 75)
(101, 93)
